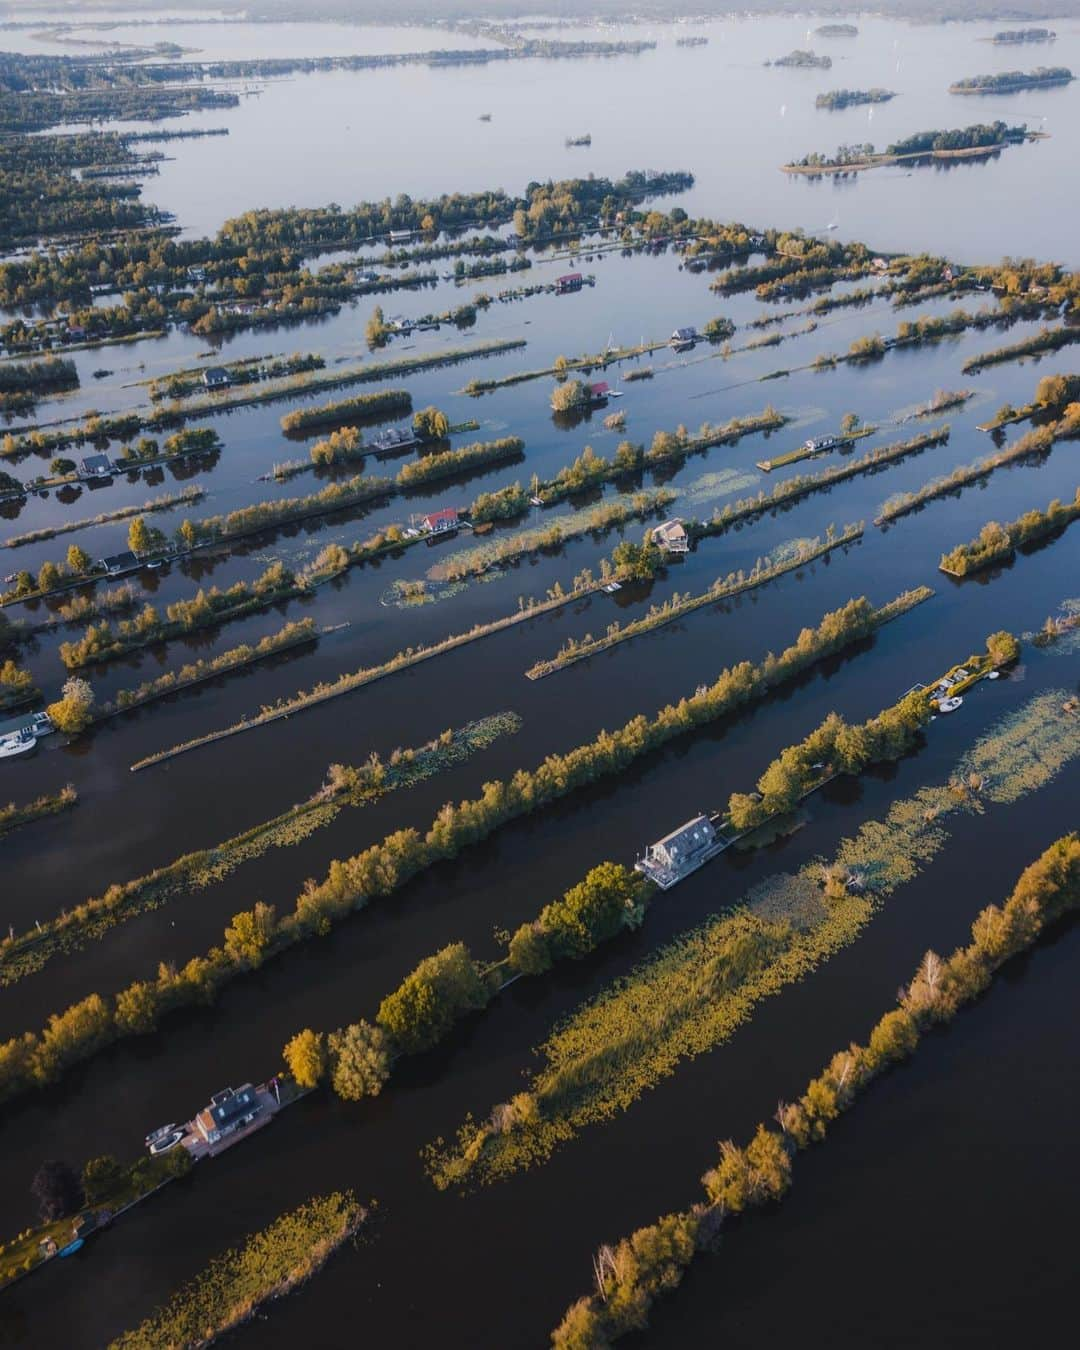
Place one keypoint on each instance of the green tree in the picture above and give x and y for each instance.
(360, 1059)
(1003, 648)
(57, 1189)
(62, 467)
(431, 424)
(305, 1058)
(427, 1003)
(101, 1177)
(137, 1008)
(849, 422)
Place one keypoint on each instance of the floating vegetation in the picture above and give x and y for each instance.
(1060, 634)
(711, 487)
(691, 995)
(409, 594)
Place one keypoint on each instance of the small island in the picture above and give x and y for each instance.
(579, 140)
(692, 42)
(836, 30)
(850, 98)
(803, 60)
(1012, 81)
(1024, 35)
(966, 142)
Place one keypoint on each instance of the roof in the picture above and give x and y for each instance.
(216, 373)
(229, 1104)
(670, 529)
(14, 725)
(570, 276)
(688, 838)
(684, 334)
(118, 560)
(599, 389)
(447, 513)
(95, 463)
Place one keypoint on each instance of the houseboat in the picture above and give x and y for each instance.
(572, 281)
(671, 536)
(393, 440)
(817, 445)
(682, 338)
(683, 851)
(230, 1116)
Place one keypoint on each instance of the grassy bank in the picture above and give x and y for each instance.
(12, 816)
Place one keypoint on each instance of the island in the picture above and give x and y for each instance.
(1024, 35)
(850, 98)
(966, 142)
(803, 60)
(836, 30)
(1012, 81)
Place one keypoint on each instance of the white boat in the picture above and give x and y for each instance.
(948, 705)
(160, 1133)
(22, 743)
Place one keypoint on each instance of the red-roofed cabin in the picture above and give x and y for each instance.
(573, 281)
(438, 522)
(598, 393)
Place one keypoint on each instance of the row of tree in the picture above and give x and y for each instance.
(633, 1274)
(995, 543)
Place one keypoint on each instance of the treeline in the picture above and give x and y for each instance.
(980, 136)
(651, 1262)
(101, 643)
(166, 502)
(38, 1058)
(290, 635)
(1009, 80)
(432, 468)
(385, 403)
(356, 1060)
(801, 485)
(849, 98)
(1037, 442)
(1046, 340)
(22, 385)
(12, 816)
(16, 684)
(995, 543)
(249, 370)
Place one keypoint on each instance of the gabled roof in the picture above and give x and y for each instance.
(447, 513)
(688, 838)
(599, 389)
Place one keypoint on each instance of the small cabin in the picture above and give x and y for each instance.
(227, 1112)
(95, 466)
(572, 281)
(216, 377)
(817, 445)
(393, 438)
(400, 236)
(440, 522)
(599, 392)
(671, 536)
(684, 337)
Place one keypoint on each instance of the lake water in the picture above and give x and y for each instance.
(497, 1268)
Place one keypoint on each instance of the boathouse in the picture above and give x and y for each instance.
(439, 522)
(227, 1112)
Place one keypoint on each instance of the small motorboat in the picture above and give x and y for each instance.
(165, 1143)
(72, 1247)
(948, 705)
(160, 1133)
(994, 675)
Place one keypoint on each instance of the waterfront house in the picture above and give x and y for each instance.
(216, 377)
(598, 392)
(681, 852)
(683, 337)
(228, 1112)
(393, 438)
(816, 445)
(572, 281)
(671, 536)
(37, 724)
(400, 236)
(440, 522)
(95, 466)
(116, 564)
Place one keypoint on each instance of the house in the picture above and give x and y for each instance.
(393, 438)
(816, 445)
(880, 265)
(116, 564)
(228, 1112)
(216, 377)
(37, 723)
(440, 522)
(572, 281)
(598, 392)
(400, 236)
(681, 850)
(95, 466)
(683, 337)
(671, 536)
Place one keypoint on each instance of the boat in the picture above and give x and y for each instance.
(22, 743)
(159, 1133)
(166, 1142)
(72, 1247)
(948, 705)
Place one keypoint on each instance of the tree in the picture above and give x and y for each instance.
(78, 560)
(74, 711)
(360, 1056)
(62, 467)
(139, 536)
(1003, 648)
(100, 1178)
(431, 424)
(137, 1008)
(849, 423)
(48, 577)
(57, 1189)
(305, 1058)
(566, 397)
(429, 1000)
(187, 534)
(250, 934)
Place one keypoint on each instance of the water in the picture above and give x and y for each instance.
(499, 1267)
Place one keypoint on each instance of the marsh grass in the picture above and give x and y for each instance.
(691, 995)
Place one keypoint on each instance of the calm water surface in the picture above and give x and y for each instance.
(497, 1268)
